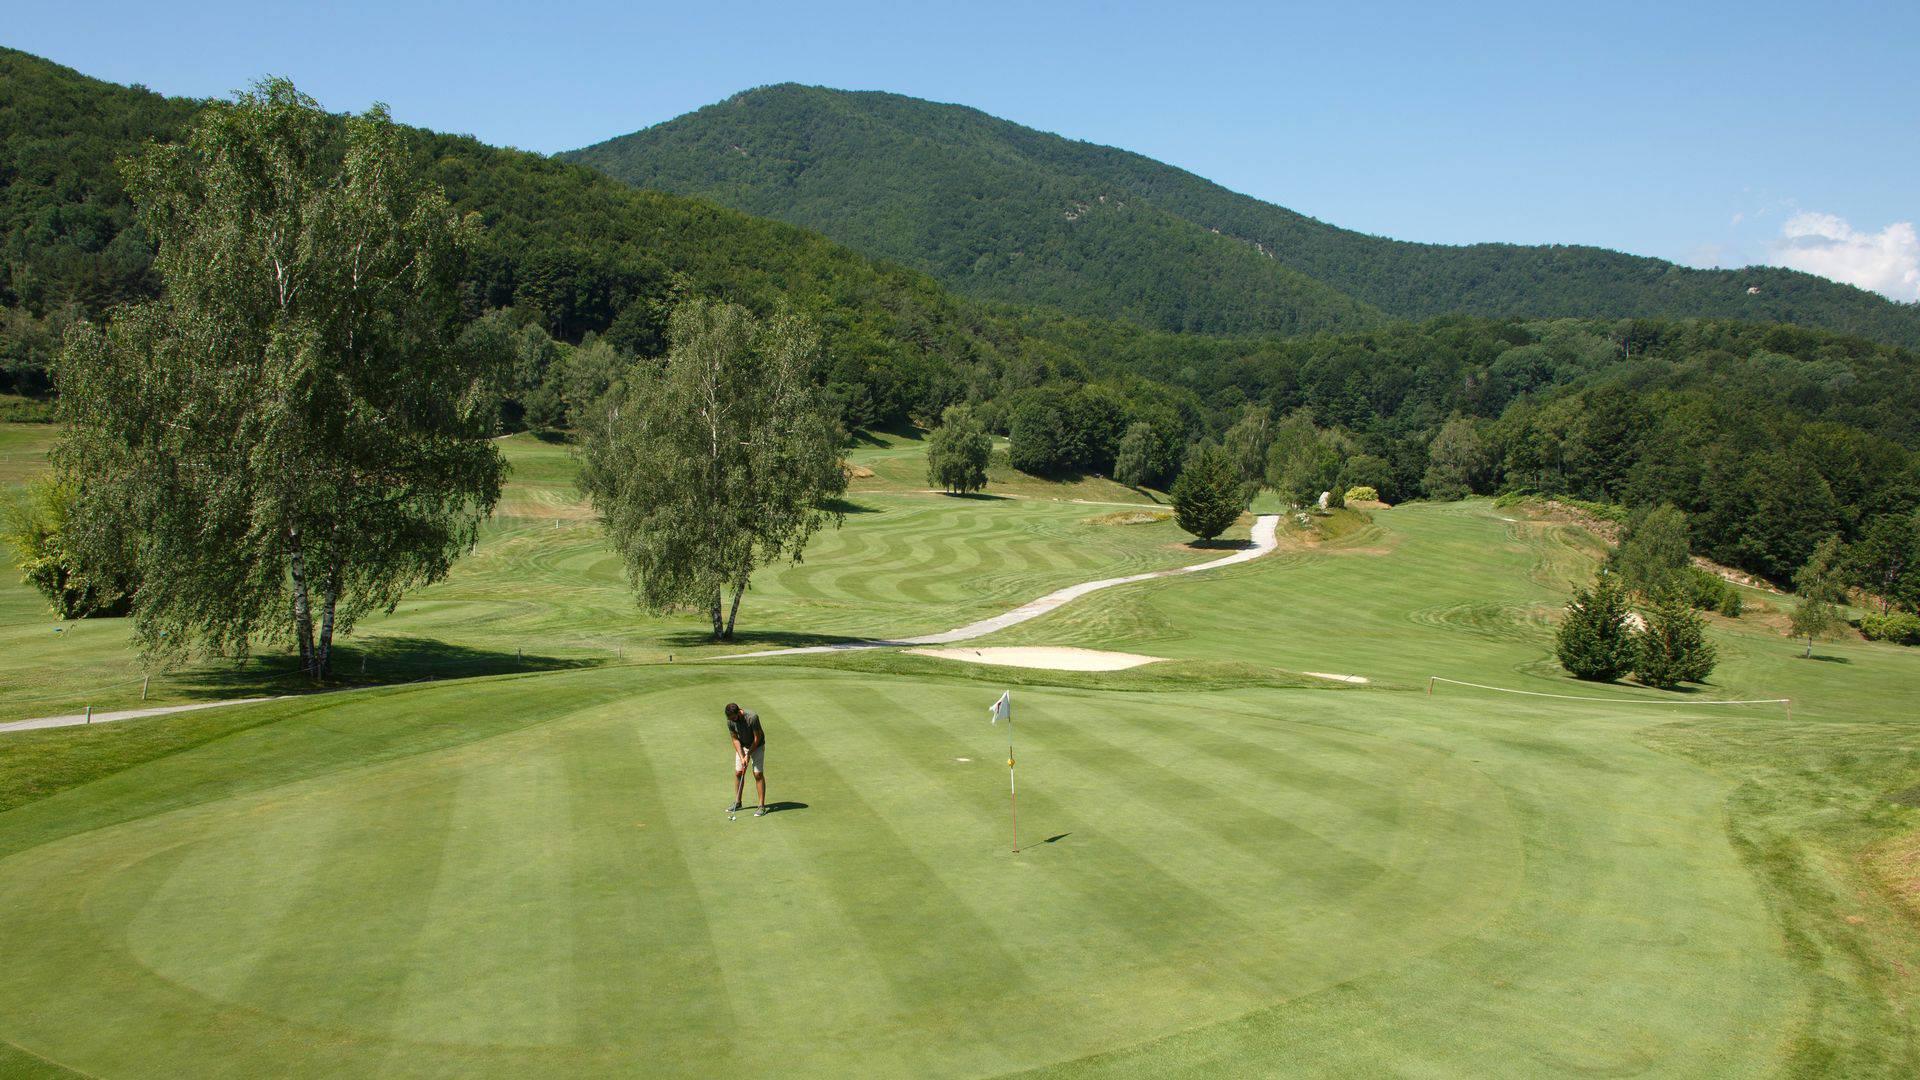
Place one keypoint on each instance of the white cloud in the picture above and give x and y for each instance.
(1887, 262)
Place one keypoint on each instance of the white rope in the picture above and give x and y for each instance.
(1431, 679)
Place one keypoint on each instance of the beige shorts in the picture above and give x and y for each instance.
(758, 755)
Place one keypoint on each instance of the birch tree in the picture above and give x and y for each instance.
(721, 459)
(290, 437)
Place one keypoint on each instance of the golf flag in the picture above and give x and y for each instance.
(1003, 710)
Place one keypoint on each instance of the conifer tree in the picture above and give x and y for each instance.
(1673, 647)
(1593, 641)
(1208, 496)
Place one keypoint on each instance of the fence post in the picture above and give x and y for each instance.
(89, 714)
(1430, 679)
(144, 680)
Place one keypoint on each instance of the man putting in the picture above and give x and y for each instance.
(749, 748)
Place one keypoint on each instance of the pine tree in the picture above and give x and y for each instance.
(1593, 641)
(1673, 647)
(1208, 496)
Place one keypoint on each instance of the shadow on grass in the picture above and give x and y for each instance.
(375, 662)
(548, 435)
(977, 496)
(781, 807)
(1828, 659)
(771, 639)
(871, 436)
(848, 506)
(1220, 545)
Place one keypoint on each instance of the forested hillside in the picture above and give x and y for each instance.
(1008, 213)
(1772, 436)
(565, 249)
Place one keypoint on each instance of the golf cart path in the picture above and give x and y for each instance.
(1264, 540)
(79, 719)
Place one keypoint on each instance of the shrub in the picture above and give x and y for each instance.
(1898, 627)
(1593, 641)
(1363, 494)
(1673, 648)
(1710, 592)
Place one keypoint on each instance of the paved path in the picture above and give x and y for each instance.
(1264, 541)
(77, 719)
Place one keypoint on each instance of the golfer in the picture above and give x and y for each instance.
(749, 748)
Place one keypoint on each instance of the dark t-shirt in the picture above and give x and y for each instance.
(745, 728)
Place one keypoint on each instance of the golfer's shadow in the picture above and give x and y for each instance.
(776, 807)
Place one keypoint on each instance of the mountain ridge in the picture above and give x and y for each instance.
(1009, 213)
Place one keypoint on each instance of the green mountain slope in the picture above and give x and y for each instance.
(569, 248)
(1010, 213)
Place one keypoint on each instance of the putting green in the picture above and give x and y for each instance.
(563, 894)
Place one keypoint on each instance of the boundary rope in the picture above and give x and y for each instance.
(1431, 679)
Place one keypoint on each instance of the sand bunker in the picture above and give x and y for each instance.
(1057, 659)
(1355, 679)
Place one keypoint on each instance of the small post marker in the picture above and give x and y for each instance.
(144, 680)
(1430, 679)
(89, 714)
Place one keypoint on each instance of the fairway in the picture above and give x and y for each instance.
(1229, 866)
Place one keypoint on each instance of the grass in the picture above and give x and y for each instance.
(542, 590)
(1230, 868)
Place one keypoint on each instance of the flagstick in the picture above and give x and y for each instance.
(1013, 796)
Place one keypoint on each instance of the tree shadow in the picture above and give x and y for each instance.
(773, 639)
(549, 435)
(847, 506)
(1221, 545)
(977, 496)
(375, 662)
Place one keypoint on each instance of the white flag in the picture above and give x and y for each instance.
(1002, 709)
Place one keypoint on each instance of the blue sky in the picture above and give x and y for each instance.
(1708, 133)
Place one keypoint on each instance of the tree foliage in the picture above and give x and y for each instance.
(289, 437)
(35, 525)
(1134, 464)
(1885, 561)
(1594, 640)
(721, 459)
(1010, 214)
(1653, 554)
(1819, 589)
(1672, 648)
(1209, 495)
(958, 452)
